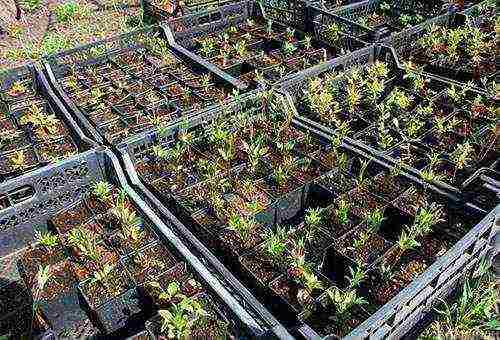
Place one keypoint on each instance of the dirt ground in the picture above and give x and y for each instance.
(40, 31)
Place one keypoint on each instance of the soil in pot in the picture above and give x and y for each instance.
(39, 256)
(290, 292)
(362, 245)
(336, 182)
(260, 267)
(70, 218)
(326, 321)
(149, 263)
(387, 186)
(336, 224)
(232, 241)
(97, 293)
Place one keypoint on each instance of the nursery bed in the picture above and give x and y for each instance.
(74, 303)
(254, 217)
(443, 133)
(35, 130)
(123, 86)
(253, 43)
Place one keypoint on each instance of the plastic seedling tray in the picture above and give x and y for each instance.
(261, 44)
(35, 130)
(116, 88)
(372, 20)
(270, 281)
(481, 14)
(409, 44)
(365, 132)
(59, 191)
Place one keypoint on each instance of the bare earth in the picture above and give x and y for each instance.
(38, 33)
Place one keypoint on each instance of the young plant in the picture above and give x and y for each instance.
(332, 33)
(385, 271)
(132, 234)
(243, 226)
(46, 239)
(256, 150)
(357, 276)
(18, 160)
(42, 278)
(17, 89)
(427, 216)
(86, 243)
(280, 176)
(344, 302)
(399, 101)
(104, 276)
(375, 88)
(159, 152)
(353, 96)
(461, 156)
(342, 212)
(311, 283)
(407, 240)
(313, 219)
(385, 140)
(102, 190)
(362, 180)
(374, 220)
(361, 241)
(289, 48)
(413, 127)
(307, 42)
(269, 27)
(178, 321)
(207, 46)
(172, 293)
(275, 243)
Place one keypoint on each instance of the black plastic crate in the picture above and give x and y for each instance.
(373, 20)
(124, 85)
(480, 15)
(407, 45)
(289, 12)
(258, 43)
(36, 130)
(366, 132)
(62, 189)
(393, 319)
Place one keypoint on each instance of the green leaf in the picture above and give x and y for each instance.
(173, 288)
(493, 325)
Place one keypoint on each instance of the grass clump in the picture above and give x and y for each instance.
(69, 11)
(472, 314)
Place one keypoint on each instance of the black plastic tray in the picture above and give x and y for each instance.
(59, 187)
(404, 311)
(359, 58)
(56, 67)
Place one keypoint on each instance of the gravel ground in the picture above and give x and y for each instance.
(39, 32)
